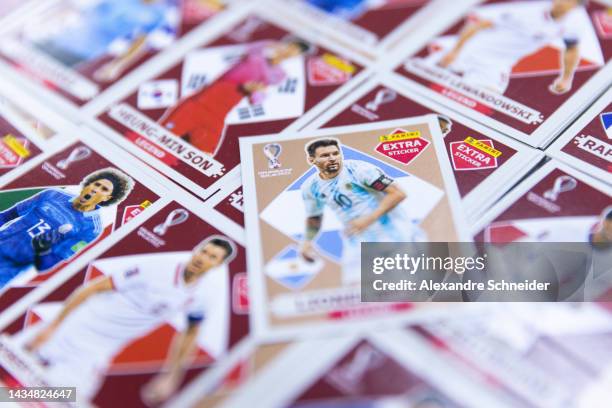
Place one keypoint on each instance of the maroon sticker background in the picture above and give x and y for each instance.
(37, 177)
(124, 390)
(385, 378)
(593, 128)
(382, 20)
(530, 91)
(87, 69)
(584, 200)
(228, 152)
(226, 208)
(403, 107)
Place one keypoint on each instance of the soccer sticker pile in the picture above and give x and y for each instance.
(187, 188)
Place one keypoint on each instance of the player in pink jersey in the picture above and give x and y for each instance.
(200, 118)
(136, 295)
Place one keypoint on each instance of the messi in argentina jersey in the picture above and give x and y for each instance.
(355, 192)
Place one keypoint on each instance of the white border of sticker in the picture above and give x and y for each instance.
(555, 150)
(259, 301)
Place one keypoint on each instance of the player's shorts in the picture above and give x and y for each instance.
(200, 119)
(486, 77)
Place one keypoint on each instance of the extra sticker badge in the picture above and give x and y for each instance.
(484, 163)
(363, 24)
(483, 64)
(79, 48)
(520, 348)
(309, 269)
(166, 286)
(587, 144)
(59, 209)
(257, 79)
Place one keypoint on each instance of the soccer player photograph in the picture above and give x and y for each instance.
(105, 315)
(54, 225)
(122, 29)
(488, 48)
(363, 198)
(200, 118)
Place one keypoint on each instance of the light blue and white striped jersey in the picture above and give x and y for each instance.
(355, 192)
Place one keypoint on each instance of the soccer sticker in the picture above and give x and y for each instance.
(78, 49)
(341, 193)
(258, 78)
(143, 303)
(483, 64)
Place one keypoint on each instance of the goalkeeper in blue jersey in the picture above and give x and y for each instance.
(362, 197)
(54, 225)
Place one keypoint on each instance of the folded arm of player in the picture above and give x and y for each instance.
(8, 215)
(166, 383)
(18, 209)
(393, 196)
(469, 31)
(99, 285)
(569, 63)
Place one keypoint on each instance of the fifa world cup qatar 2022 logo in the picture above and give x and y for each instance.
(272, 151)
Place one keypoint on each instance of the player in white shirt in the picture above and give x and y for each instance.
(363, 198)
(488, 49)
(102, 317)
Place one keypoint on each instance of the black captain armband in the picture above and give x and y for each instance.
(381, 183)
(195, 318)
(570, 42)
